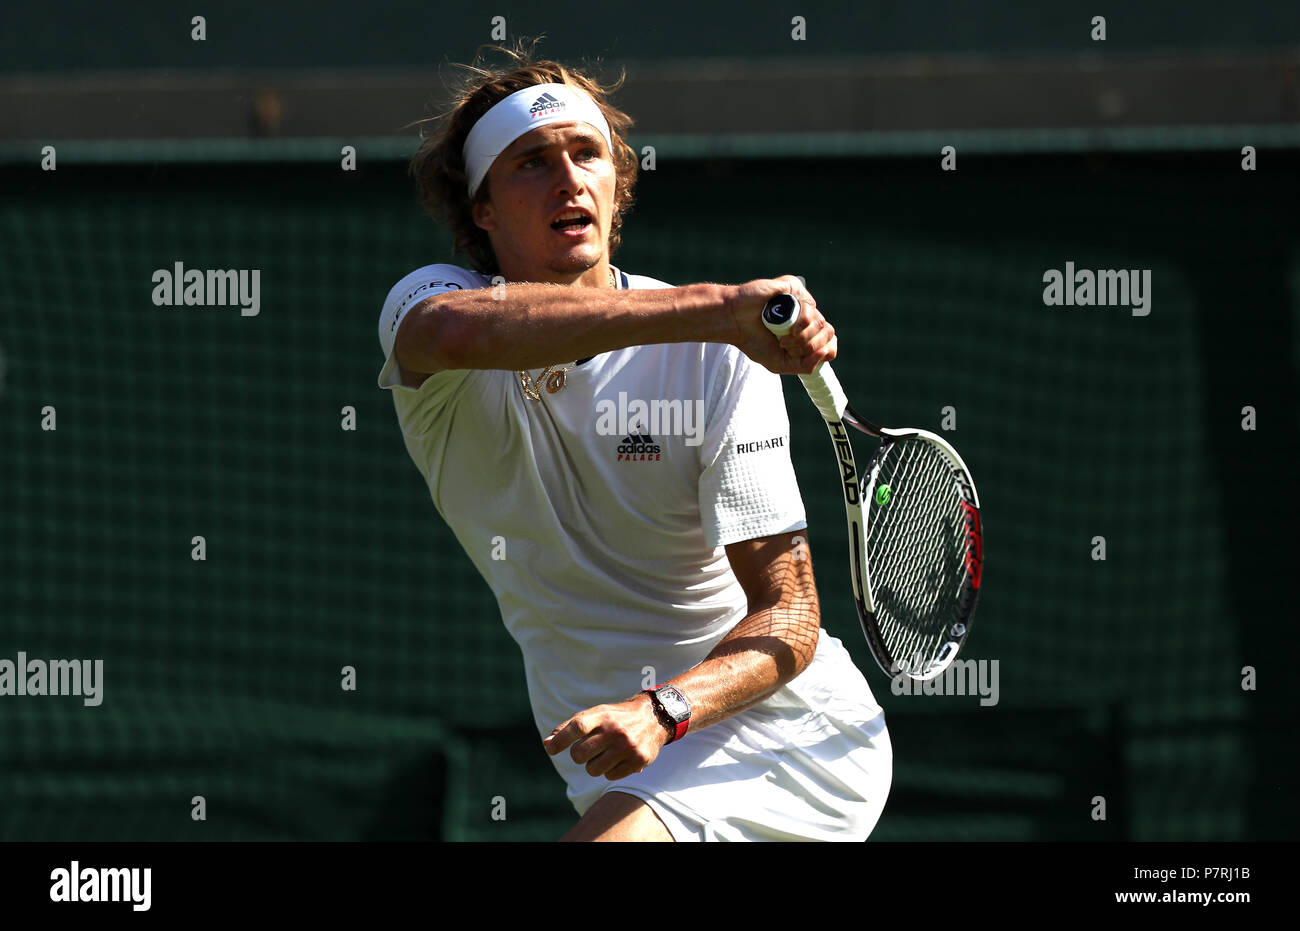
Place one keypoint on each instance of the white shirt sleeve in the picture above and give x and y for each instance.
(747, 485)
(415, 406)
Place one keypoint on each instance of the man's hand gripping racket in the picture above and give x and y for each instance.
(915, 543)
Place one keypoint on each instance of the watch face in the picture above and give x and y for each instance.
(674, 703)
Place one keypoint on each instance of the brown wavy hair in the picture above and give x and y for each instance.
(439, 165)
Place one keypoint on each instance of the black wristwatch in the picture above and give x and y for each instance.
(672, 709)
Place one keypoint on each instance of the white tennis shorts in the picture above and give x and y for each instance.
(813, 762)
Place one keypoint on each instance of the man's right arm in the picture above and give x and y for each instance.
(531, 325)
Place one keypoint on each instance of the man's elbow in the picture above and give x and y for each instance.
(432, 339)
(792, 652)
(804, 652)
(802, 640)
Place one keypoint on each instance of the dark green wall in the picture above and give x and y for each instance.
(79, 35)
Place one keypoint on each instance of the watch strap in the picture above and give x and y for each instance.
(676, 728)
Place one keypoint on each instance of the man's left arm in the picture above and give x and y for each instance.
(774, 643)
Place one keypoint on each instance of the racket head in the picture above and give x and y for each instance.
(922, 552)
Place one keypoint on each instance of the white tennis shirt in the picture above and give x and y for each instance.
(610, 501)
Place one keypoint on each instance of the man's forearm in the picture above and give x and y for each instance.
(762, 653)
(529, 325)
(775, 642)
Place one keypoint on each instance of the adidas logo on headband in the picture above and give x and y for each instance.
(545, 105)
(512, 117)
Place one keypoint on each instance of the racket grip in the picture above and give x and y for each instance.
(822, 386)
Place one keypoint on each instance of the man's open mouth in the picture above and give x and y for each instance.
(573, 223)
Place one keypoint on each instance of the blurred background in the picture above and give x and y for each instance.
(817, 155)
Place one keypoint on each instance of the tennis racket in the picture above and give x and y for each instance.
(915, 543)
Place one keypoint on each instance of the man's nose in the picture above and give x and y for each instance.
(570, 175)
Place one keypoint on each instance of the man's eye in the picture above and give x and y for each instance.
(585, 155)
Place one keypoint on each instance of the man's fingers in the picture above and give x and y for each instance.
(624, 769)
(603, 762)
(808, 364)
(793, 284)
(807, 312)
(617, 763)
(820, 340)
(806, 325)
(587, 748)
(801, 343)
(564, 735)
(815, 333)
(599, 743)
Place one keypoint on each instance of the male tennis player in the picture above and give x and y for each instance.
(628, 440)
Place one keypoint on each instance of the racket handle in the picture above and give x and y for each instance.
(822, 386)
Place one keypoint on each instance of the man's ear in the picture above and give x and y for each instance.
(484, 216)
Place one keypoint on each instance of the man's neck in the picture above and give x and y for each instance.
(598, 276)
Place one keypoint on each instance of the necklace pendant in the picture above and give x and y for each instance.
(556, 381)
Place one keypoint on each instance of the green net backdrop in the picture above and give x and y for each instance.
(1119, 678)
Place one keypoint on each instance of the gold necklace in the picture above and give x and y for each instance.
(554, 378)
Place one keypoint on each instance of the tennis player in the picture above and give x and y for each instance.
(623, 443)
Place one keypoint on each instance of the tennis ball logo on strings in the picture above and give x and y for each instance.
(882, 495)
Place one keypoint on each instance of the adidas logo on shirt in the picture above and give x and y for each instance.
(638, 447)
(545, 105)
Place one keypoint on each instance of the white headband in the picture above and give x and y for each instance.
(522, 112)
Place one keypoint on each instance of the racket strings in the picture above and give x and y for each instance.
(915, 547)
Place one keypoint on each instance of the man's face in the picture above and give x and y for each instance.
(544, 175)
